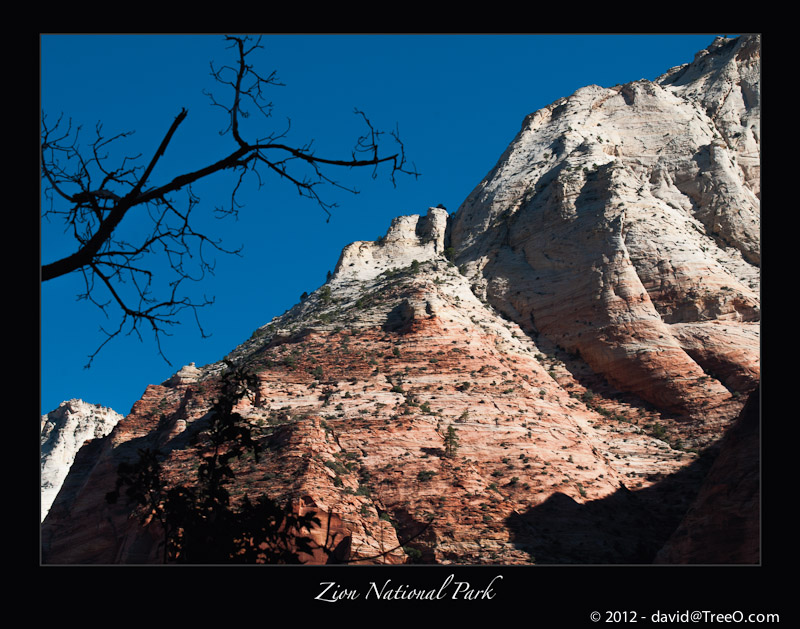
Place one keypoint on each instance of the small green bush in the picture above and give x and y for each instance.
(413, 554)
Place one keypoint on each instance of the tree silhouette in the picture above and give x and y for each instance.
(96, 197)
(198, 521)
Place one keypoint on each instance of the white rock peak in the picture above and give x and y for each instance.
(186, 375)
(63, 432)
(409, 238)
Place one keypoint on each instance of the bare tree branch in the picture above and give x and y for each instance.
(95, 198)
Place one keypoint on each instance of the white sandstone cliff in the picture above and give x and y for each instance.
(63, 432)
(623, 223)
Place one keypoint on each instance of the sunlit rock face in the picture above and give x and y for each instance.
(622, 223)
(586, 326)
(63, 432)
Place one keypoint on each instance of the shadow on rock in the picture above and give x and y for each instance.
(627, 527)
(707, 513)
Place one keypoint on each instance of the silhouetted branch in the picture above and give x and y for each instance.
(95, 199)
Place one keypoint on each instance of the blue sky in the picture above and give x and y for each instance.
(457, 100)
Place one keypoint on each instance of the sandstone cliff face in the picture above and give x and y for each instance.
(623, 224)
(597, 330)
(63, 432)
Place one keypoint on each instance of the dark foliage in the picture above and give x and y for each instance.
(199, 524)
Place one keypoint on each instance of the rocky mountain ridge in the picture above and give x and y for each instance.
(586, 324)
(63, 432)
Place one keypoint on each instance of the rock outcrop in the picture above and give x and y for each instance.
(540, 378)
(63, 432)
(623, 224)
